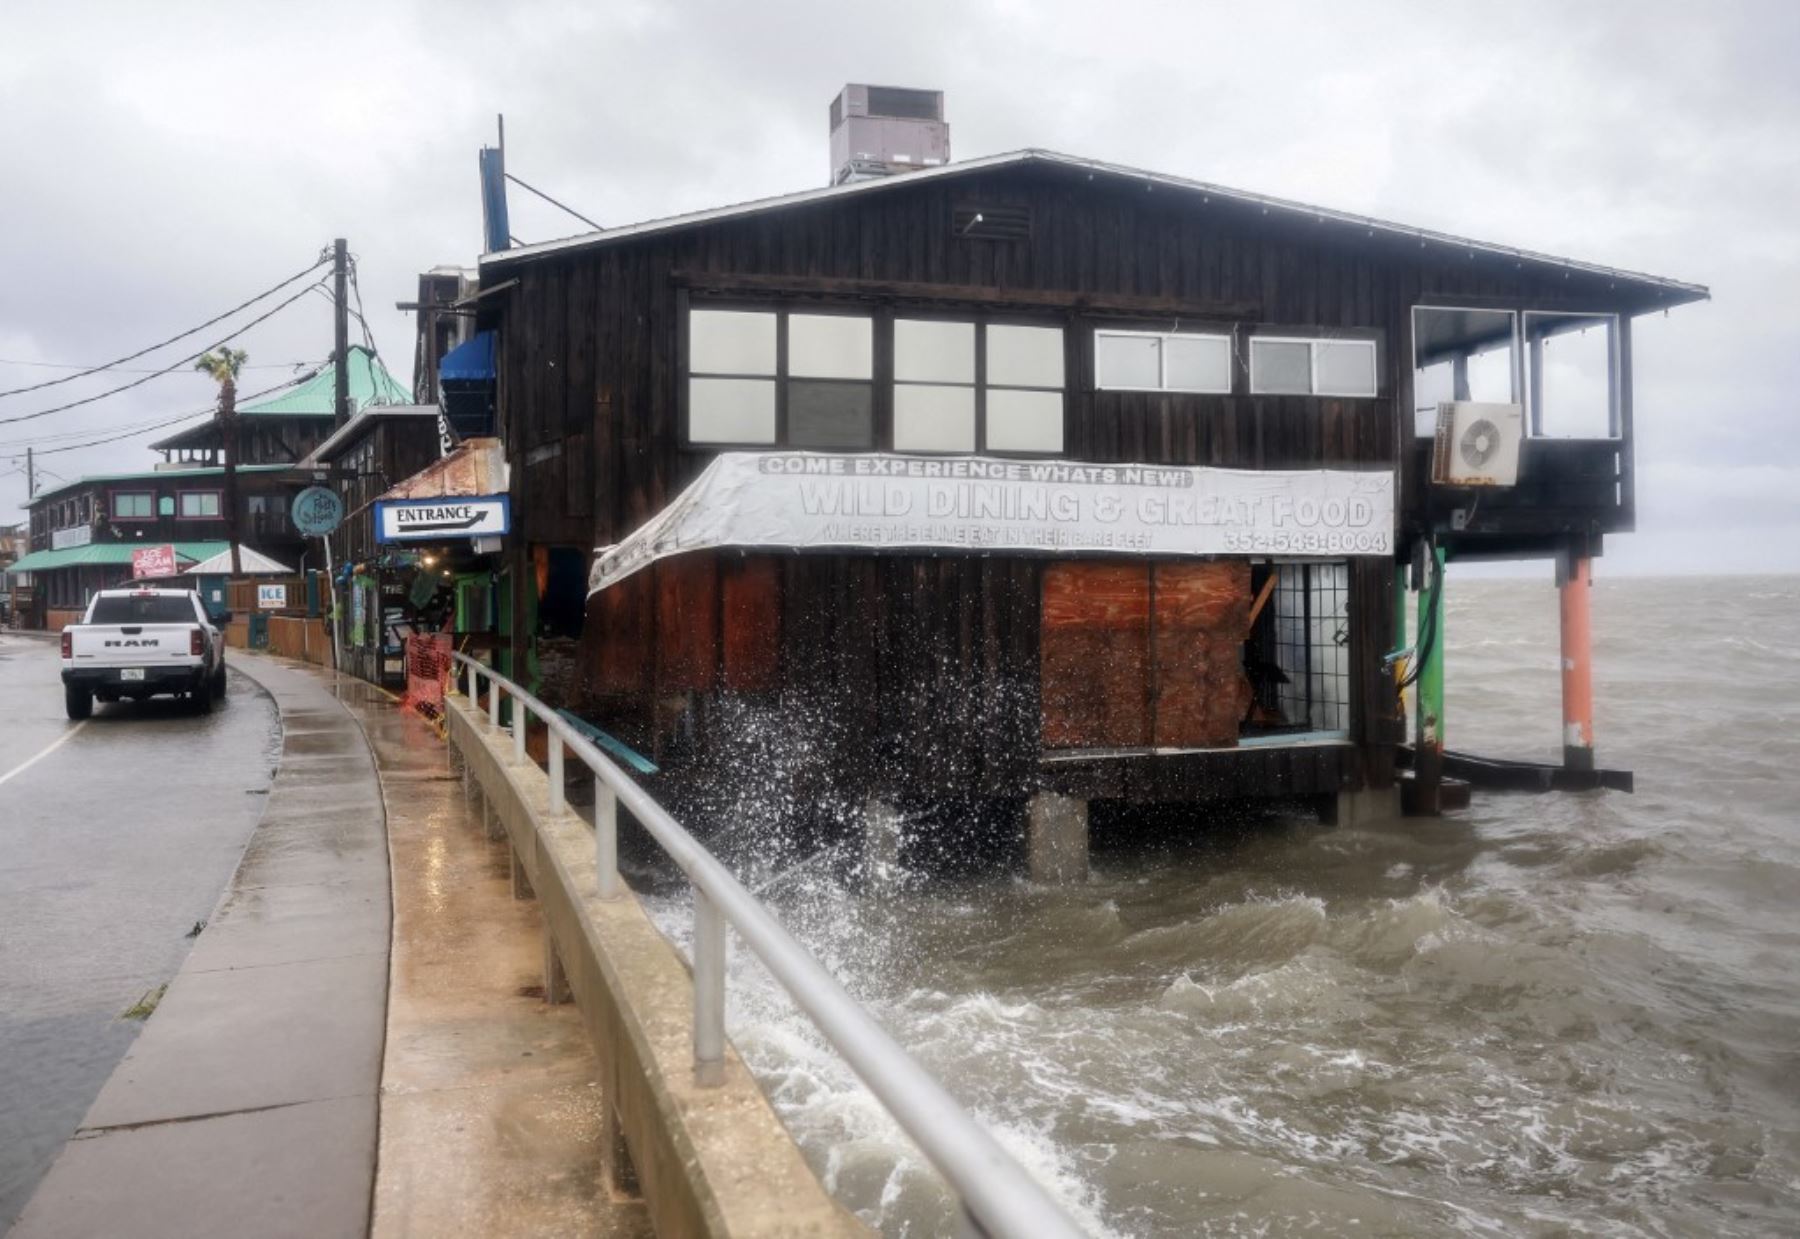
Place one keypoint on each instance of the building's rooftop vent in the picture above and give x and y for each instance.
(881, 130)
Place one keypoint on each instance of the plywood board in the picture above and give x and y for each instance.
(1095, 655)
(1201, 615)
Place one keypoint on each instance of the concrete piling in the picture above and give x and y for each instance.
(1056, 838)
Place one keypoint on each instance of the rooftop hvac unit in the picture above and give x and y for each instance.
(1477, 444)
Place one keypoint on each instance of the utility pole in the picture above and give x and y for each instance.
(30, 477)
(229, 426)
(340, 279)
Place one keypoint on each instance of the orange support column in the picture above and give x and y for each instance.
(1576, 581)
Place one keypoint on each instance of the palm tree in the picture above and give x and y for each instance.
(223, 365)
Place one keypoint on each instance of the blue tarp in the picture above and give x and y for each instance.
(469, 362)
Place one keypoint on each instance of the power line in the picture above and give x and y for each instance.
(90, 369)
(70, 378)
(368, 333)
(63, 436)
(180, 417)
(73, 404)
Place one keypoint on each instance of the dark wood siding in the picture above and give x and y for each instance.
(929, 666)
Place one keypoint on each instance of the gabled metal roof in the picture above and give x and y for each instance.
(501, 259)
(363, 422)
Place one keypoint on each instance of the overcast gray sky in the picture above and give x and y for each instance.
(160, 162)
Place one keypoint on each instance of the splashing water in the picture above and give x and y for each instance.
(1549, 1015)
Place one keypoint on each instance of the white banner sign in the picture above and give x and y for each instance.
(75, 535)
(271, 597)
(435, 520)
(804, 500)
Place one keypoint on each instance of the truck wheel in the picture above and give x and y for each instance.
(201, 698)
(218, 684)
(79, 702)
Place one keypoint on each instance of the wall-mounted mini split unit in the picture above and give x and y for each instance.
(1477, 444)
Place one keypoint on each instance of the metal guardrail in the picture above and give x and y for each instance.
(999, 1198)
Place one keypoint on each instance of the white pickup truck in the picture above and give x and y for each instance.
(138, 643)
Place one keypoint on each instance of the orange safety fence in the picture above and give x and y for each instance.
(428, 668)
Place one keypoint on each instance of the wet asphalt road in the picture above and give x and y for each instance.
(112, 846)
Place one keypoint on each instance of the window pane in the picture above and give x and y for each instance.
(830, 346)
(933, 352)
(1574, 384)
(731, 410)
(934, 419)
(731, 342)
(1346, 367)
(1491, 377)
(1197, 363)
(833, 415)
(1024, 421)
(1281, 367)
(1460, 354)
(1128, 361)
(1024, 356)
(1432, 386)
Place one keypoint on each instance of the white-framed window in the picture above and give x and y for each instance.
(199, 504)
(731, 376)
(1170, 361)
(1562, 368)
(1308, 366)
(767, 377)
(133, 505)
(1572, 374)
(945, 402)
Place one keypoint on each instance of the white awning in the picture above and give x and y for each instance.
(977, 504)
(255, 563)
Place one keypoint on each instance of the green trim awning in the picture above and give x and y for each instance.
(110, 553)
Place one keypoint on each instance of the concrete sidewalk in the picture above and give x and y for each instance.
(492, 1120)
(248, 1106)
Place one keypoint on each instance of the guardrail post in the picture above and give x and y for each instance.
(606, 838)
(709, 992)
(493, 703)
(556, 774)
(474, 683)
(521, 721)
(966, 1225)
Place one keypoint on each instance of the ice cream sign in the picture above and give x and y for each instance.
(438, 520)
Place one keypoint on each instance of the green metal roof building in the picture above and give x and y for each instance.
(288, 425)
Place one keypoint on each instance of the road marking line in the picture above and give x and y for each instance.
(29, 762)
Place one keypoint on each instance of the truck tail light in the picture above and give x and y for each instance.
(196, 642)
(68, 644)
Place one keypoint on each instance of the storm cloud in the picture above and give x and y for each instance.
(161, 162)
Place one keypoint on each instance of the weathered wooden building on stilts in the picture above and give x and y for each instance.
(1038, 479)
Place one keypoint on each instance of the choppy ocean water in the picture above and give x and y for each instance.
(1567, 1014)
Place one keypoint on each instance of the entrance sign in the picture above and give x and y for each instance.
(805, 500)
(271, 597)
(434, 520)
(152, 561)
(317, 511)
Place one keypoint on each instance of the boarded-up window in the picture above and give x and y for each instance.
(1138, 654)
(1095, 655)
(1201, 614)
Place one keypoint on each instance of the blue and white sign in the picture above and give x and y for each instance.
(438, 520)
(317, 511)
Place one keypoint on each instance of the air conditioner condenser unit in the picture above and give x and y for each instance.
(1477, 444)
